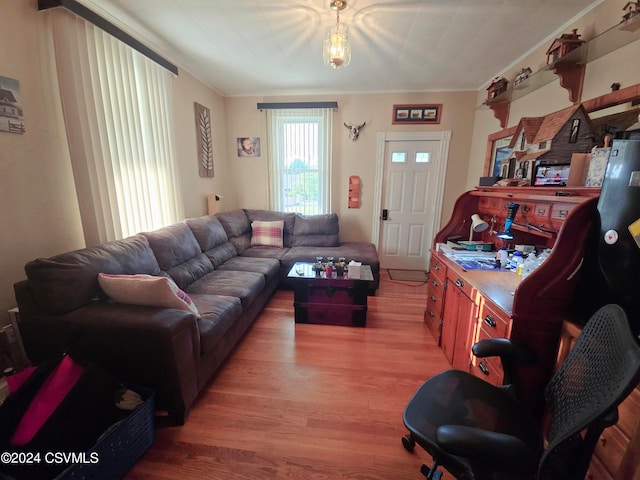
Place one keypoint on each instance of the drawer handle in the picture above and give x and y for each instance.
(436, 266)
(459, 283)
(490, 321)
(482, 366)
(435, 283)
(432, 313)
(563, 213)
(541, 211)
(433, 298)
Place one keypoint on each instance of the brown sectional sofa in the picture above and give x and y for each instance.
(63, 308)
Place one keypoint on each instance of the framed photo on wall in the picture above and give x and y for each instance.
(498, 152)
(419, 114)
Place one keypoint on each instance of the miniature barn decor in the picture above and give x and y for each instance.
(498, 86)
(630, 9)
(563, 45)
(522, 75)
(551, 139)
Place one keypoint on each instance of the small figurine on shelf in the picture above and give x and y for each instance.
(563, 45)
(498, 86)
(630, 9)
(522, 75)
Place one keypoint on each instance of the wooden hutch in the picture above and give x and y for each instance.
(464, 306)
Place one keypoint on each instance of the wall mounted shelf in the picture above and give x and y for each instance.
(569, 69)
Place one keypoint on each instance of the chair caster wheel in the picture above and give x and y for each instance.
(408, 442)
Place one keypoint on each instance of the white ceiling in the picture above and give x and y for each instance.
(274, 47)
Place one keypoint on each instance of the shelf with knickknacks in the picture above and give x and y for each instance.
(567, 58)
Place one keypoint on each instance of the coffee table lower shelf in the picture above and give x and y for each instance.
(323, 314)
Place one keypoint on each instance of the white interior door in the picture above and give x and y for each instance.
(409, 199)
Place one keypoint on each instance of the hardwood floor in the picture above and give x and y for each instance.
(308, 401)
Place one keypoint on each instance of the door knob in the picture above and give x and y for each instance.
(385, 214)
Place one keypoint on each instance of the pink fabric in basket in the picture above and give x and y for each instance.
(14, 382)
(50, 395)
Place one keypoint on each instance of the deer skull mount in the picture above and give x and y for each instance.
(354, 132)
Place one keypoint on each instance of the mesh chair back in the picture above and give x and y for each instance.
(600, 371)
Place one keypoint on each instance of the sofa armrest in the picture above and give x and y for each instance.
(154, 347)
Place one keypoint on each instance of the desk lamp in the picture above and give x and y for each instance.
(477, 225)
(512, 208)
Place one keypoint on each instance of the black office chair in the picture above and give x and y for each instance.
(475, 430)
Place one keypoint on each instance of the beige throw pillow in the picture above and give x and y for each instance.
(146, 290)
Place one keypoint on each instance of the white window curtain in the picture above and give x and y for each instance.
(300, 160)
(119, 122)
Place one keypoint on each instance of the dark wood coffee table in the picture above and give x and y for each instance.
(338, 300)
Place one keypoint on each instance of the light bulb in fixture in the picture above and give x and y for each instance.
(337, 41)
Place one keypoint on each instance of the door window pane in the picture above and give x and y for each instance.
(423, 157)
(398, 157)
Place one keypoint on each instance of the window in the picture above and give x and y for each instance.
(118, 119)
(300, 160)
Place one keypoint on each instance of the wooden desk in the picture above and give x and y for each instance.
(468, 305)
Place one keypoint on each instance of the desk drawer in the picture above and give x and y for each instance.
(488, 369)
(494, 324)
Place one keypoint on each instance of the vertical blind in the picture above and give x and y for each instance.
(118, 118)
(300, 160)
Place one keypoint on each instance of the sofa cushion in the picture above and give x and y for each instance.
(212, 239)
(179, 254)
(316, 230)
(65, 282)
(269, 216)
(208, 231)
(266, 234)
(269, 267)
(146, 290)
(238, 228)
(244, 285)
(218, 313)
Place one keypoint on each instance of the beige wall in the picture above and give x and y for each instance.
(186, 91)
(38, 206)
(351, 158)
(38, 209)
(621, 66)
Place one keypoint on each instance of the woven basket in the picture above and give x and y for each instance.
(120, 446)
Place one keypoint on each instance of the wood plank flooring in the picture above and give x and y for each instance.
(308, 401)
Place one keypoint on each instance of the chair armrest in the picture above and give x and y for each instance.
(504, 348)
(484, 447)
(510, 353)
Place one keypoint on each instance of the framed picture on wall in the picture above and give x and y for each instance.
(498, 152)
(419, 114)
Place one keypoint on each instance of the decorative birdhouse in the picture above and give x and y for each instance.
(498, 85)
(563, 45)
(522, 75)
(630, 9)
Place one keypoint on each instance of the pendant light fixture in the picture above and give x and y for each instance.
(337, 41)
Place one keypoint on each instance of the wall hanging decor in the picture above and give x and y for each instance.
(354, 131)
(11, 119)
(248, 146)
(354, 191)
(404, 114)
(204, 139)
